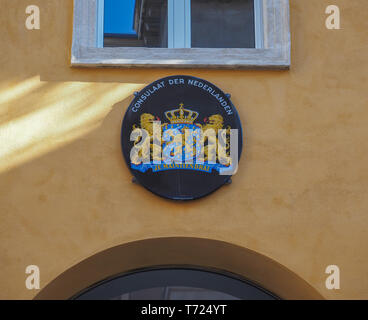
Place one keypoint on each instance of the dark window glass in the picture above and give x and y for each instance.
(135, 23)
(175, 284)
(223, 24)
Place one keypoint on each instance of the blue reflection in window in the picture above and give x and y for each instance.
(119, 16)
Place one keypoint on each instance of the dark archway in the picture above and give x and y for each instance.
(185, 253)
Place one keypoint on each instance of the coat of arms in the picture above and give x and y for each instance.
(183, 143)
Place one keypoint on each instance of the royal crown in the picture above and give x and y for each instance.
(181, 115)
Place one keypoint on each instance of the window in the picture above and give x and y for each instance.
(180, 23)
(175, 284)
(182, 33)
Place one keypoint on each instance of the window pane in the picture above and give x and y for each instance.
(175, 293)
(223, 24)
(135, 23)
(174, 284)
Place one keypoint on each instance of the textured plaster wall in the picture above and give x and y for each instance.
(299, 197)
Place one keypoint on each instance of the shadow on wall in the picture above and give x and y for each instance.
(63, 136)
(38, 117)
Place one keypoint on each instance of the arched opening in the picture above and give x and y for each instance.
(175, 266)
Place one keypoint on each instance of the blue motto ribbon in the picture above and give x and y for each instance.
(205, 167)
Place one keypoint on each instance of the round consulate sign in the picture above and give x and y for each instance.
(181, 137)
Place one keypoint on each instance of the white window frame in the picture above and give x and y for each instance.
(179, 24)
(272, 39)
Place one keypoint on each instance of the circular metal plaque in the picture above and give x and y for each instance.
(169, 108)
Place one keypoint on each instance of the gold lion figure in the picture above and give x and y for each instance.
(216, 122)
(146, 123)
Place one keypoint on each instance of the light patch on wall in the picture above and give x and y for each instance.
(9, 93)
(62, 113)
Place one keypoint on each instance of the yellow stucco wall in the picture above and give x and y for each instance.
(299, 197)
